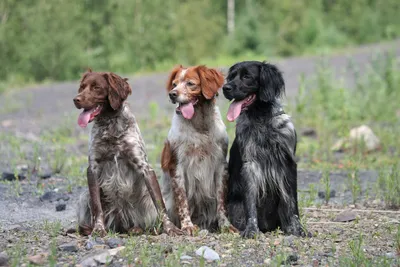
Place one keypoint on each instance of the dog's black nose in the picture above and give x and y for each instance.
(227, 88)
(173, 94)
(77, 100)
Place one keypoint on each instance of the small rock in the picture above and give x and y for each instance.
(356, 136)
(10, 176)
(186, 258)
(364, 133)
(267, 261)
(115, 251)
(46, 175)
(99, 240)
(3, 259)
(101, 257)
(89, 245)
(88, 262)
(346, 216)
(185, 262)
(39, 259)
(309, 132)
(315, 262)
(69, 247)
(114, 242)
(50, 196)
(207, 253)
(60, 206)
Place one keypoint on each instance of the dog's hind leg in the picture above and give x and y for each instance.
(84, 214)
(288, 207)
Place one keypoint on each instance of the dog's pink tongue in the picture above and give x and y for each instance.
(187, 110)
(234, 110)
(84, 118)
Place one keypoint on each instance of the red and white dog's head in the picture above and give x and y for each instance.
(191, 86)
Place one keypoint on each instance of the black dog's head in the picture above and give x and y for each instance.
(252, 82)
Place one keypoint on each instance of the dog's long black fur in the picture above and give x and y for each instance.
(262, 188)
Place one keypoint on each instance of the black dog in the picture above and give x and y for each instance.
(262, 188)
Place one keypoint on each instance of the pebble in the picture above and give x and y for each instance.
(69, 247)
(114, 242)
(38, 259)
(346, 216)
(60, 206)
(207, 253)
(3, 259)
(10, 176)
(46, 175)
(186, 258)
(96, 259)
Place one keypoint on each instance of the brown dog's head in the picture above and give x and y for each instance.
(100, 92)
(188, 86)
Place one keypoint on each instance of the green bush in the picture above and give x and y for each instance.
(58, 39)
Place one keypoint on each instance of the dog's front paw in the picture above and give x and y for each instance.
(172, 230)
(190, 229)
(251, 231)
(226, 227)
(99, 229)
(229, 229)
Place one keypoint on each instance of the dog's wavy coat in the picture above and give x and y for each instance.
(123, 195)
(194, 156)
(262, 189)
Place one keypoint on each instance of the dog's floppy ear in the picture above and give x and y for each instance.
(172, 75)
(272, 84)
(119, 89)
(211, 80)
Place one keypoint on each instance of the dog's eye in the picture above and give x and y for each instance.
(246, 76)
(189, 83)
(173, 85)
(96, 88)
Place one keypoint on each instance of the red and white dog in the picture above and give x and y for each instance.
(194, 156)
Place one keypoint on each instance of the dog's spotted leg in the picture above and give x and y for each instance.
(288, 206)
(250, 173)
(95, 203)
(182, 206)
(223, 221)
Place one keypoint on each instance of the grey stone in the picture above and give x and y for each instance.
(207, 253)
(186, 258)
(346, 216)
(60, 206)
(114, 242)
(69, 247)
(3, 259)
(101, 257)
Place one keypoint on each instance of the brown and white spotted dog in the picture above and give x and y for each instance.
(194, 156)
(124, 194)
